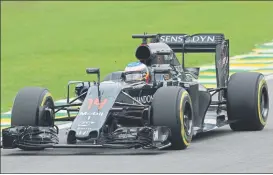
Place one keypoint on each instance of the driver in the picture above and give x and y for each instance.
(137, 71)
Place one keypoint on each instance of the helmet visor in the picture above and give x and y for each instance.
(134, 77)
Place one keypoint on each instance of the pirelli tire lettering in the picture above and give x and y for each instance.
(144, 99)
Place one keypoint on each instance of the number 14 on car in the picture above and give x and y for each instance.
(97, 103)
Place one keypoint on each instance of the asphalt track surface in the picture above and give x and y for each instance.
(219, 151)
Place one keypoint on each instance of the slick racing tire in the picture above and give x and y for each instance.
(33, 106)
(172, 107)
(247, 101)
(29, 108)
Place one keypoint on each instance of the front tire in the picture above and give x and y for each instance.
(172, 107)
(33, 106)
(247, 101)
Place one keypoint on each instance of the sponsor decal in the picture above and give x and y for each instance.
(144, 99)
(224, 61)
(193, 39)
(89, 114)
(85, 123)
(172, 39)
(97, 103)
(83, 131)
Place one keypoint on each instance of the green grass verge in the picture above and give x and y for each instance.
(49, 43)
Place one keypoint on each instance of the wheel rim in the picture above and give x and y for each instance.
(187, 122)
(47, 119)
(264, 105)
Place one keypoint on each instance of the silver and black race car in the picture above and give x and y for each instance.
(160, 105)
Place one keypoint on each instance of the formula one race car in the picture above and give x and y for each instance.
(156, 102)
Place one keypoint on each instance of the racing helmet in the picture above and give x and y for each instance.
(137, 71)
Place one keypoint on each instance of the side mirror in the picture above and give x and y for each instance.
(94, 71)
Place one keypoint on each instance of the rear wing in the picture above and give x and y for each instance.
(203, 42)
(198, 43)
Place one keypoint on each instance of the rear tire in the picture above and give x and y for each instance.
(33, 106)
(172, 107)
(247, 101)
